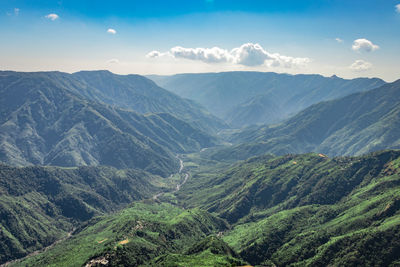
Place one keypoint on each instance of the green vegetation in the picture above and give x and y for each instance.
(353, 125)
(137, 234)
(39, 205)
(229, 204)
(211, 251)
(293, 210)
(306, 210)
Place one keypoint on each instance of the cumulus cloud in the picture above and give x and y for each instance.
(360, 65)
(52, 16)
(248, 54)
(398, 8)
(209, 55)
(339, 40)
(113, 61)
(16, 11)
(364, 45)
(111, 31)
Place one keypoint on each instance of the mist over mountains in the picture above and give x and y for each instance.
(245, 98)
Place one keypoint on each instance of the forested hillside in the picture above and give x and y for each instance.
(297, 210)
(39, 205)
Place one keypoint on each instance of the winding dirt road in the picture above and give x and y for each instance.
(178, 186)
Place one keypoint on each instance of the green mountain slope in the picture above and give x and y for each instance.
(243, 98)
(293, 210)
(39, 205)
(141, 233)
(142, 95)
(44, 122)
(307, 210)
(353, 125)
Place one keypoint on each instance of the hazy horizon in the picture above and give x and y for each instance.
(209, 72)
(351, 39)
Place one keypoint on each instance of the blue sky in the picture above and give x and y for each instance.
(347, 38)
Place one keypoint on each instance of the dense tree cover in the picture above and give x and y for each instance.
(296, 210)
(39, 205)
(306, 209)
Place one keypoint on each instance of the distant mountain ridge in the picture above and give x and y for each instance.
(45, 121)
(142, 95)
(243, 98)
(352, 125)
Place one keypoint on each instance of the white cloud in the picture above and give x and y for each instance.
(16, 11)
(398, 8)
(339, 40)
(52, 16)
(364, 45)
(156, 54)
(360, 65)
(111, 31)
(209, 55)
(113, 61)
(248, 54)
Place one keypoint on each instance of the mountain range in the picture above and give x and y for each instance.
(135, 92)
(99, 169)
(352, 125)
(244, 98)
(46, 121)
